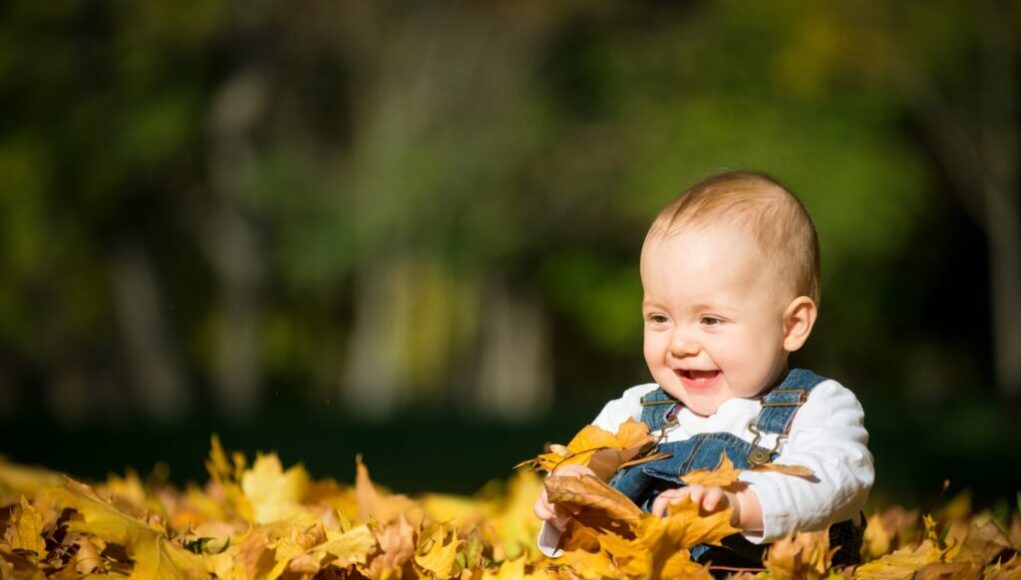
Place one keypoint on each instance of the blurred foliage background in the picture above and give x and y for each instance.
(411, 229)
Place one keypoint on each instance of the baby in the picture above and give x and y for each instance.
(730, 272)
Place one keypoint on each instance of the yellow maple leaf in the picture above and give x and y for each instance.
(437, 552)
(684, 527)
(801, 555)
(379, 506)
(598, 564)
(725, 474)
(901, 564)
(250, 558)
(631, 438)
(26, 529)
(155, 556)
(513, 525)
(273, 493)
(680, 565)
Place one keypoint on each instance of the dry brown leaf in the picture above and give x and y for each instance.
(1009, 570)
(1015, 532)
(87, 558)
(947, 570)
(396, 542)
(588, 492)
(983, 543)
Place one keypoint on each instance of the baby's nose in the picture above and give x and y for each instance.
(682, 345)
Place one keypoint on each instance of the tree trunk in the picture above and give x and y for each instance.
(155, 374)
(515, 377)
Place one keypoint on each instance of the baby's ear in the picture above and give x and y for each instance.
(798, 320)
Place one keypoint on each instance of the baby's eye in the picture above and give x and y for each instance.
(711, 321)
(657, 319)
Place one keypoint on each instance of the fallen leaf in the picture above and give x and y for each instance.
(631, 438)
(723, 475)
(437, 552)
(381, 507)
(273, 493)
(396, 543)
(680, 565)
(1009, 570)
(984, 543)
(686, 528)
(878, 539)
(154, 555)
(26, 530)
(901, 564)
(792, 470)
(588, 492)
(801, 555)
(956, 570)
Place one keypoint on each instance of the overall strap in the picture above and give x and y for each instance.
(781, 403)
(659, 409)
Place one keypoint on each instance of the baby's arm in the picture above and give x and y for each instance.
(828, 436)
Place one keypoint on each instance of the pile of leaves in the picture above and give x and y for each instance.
(259, 520)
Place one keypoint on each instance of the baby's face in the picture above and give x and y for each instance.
(714, 316)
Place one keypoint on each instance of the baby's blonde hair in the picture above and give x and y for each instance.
(760, 205)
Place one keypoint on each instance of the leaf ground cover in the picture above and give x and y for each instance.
(258, 519)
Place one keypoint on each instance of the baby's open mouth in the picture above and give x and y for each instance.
(697, 378)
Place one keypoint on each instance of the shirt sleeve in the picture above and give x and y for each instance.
(827, 436)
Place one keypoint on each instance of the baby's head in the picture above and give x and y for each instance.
(730, 272)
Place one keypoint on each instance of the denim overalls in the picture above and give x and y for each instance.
(643, 482)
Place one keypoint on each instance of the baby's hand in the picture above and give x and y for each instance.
(709, 499)
(554, 513)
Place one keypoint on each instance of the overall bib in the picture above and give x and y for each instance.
(644, 482)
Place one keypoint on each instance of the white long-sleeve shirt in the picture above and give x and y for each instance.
(827, 436)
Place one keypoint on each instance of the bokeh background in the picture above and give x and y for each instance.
(411, 229)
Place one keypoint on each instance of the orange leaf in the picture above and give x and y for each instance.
(801, 555)
(901, 564)
(723, 475)
(794, 470)
(589, 492)
(631, 438)
(384, 508)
